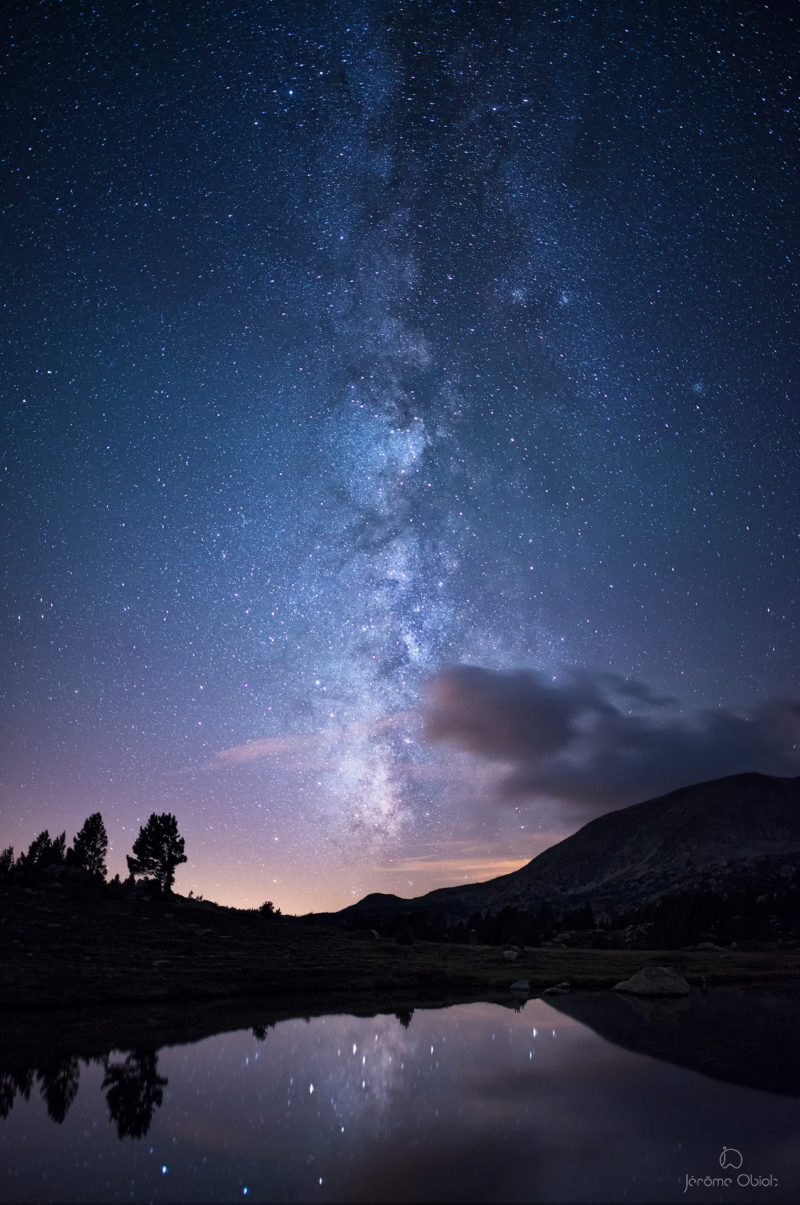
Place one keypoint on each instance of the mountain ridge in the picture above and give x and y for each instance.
(695, 837)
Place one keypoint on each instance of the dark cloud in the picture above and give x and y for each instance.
(600, 741)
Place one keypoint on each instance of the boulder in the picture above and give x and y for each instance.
(655, 981)
(511, 955)
(520, 985)
(560, 989)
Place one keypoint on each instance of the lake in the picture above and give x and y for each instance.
(472, 1102)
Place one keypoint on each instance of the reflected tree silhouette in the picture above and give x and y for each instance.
(11, 1083)
(134, 1090)
(260, 1031)
(59, 1087)
(404, 1016)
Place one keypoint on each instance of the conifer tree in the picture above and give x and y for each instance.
(90, 847)
(43, 851)
(157, 851)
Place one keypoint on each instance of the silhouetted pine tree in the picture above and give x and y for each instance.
(134, 1090)
(89, 849)
(59, 1087)
(42, 852)
(157, 851)
(11, 1083)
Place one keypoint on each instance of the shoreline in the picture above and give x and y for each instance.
(60, 953)
(698, 1031)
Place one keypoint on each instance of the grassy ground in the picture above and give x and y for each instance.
(59, 950)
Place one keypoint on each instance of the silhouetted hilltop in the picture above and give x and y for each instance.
(69, 940)
(729, 834)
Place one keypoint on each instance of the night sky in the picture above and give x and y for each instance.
(399, 426)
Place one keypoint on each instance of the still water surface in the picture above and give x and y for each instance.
(474, 1102)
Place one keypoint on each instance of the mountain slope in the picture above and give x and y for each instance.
(698, 836)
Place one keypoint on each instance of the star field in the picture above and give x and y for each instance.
(350, 343)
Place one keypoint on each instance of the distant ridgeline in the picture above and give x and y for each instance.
(716, 862)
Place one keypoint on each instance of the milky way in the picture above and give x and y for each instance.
(349, 344)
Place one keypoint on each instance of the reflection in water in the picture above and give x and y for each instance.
(59, 1087)
(134, 1090)
(11, 1083)
(467, 1103)
(740, 1035)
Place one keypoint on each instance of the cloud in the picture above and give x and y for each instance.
(469, 869)
(294, 744)
(304, 745)
(599, 741)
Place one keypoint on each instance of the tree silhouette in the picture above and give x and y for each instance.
(59, 1087)
(6, 860)
(134, 1090)
(260, 1031)
(90, 847)
(157, 851)
(11, 1083)
(43, 851)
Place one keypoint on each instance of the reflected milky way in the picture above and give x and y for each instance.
(494, 1103)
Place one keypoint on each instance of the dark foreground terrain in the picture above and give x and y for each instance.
(62, 949)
